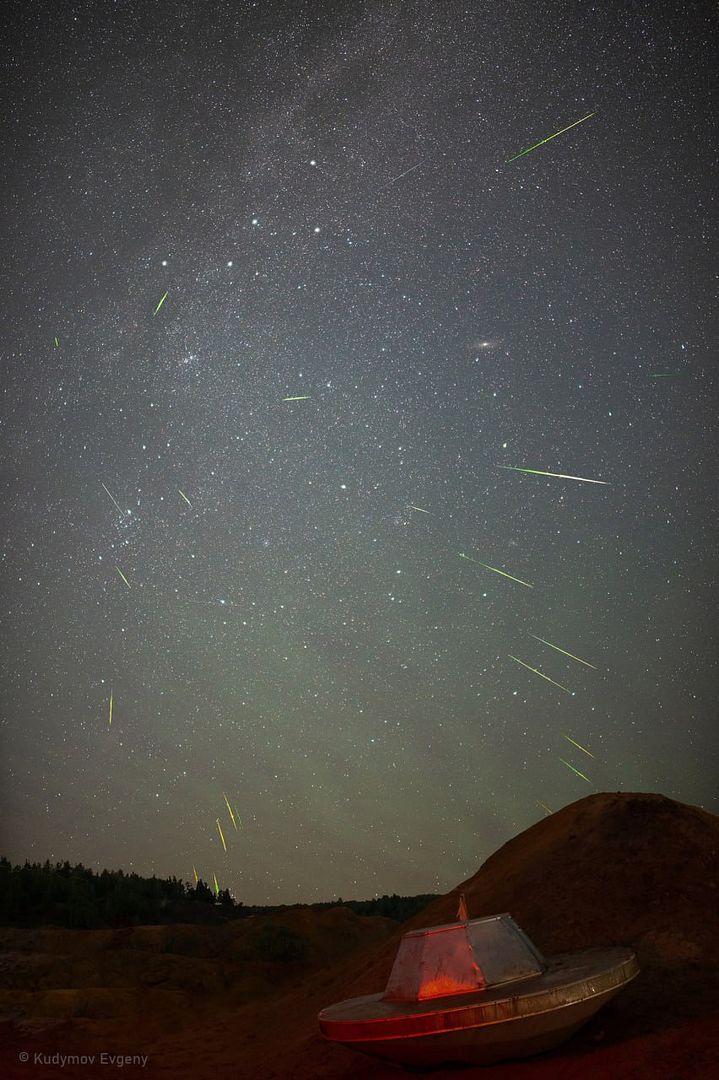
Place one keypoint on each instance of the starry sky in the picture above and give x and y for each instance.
(298, 604)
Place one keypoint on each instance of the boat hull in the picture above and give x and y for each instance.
(518, 1020)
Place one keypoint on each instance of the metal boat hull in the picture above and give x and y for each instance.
(510, 1021)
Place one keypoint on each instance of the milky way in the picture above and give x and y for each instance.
(283, 326)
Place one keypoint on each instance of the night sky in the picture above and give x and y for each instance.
(272, 592)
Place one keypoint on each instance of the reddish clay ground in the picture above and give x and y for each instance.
(637, 870)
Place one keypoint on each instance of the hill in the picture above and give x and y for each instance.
(638, 870)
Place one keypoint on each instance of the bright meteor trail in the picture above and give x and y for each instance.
(160, 304)
(562, 476)
(495, 570)
(298, 397)
(578, 746)
(123, 577)
(575, 770)
(541, 675)
(564, 651)
(222, 835)
(549, 138)
(229, 810)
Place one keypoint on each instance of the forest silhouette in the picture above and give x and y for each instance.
(46, 894)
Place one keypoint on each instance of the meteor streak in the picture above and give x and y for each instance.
(298, 397)
(57, 342)
(495, 570)
(222, 835)
(123, 577)
(575, 770)
(578, 745)
(544, 807)
(229, 810)
(217, 887)
(120, 510)
(185, 497)
(406, 172)
(564, 651)
(418, 508)
(562, 476)
(160, 304)
(197, 877)
(109, 720)
(549, 138)
(537, 672)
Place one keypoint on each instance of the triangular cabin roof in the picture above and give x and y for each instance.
(461, 958)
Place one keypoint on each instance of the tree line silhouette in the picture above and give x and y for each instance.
(59, 894)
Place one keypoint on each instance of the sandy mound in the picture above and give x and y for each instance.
(637, 870)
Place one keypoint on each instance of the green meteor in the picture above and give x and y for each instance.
(222, 835)
(229, 810)
(495, 570)
(578, 745)
(575, 770)
(123, 577)
(564, 651)
(160, 304)
(537, 672)
(57, 342)
(549, 138)
(562, 476)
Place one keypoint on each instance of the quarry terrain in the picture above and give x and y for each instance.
(194, 1001)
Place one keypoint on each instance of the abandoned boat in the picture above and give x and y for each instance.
(476, 992)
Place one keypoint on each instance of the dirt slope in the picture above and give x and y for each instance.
(625, 869)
